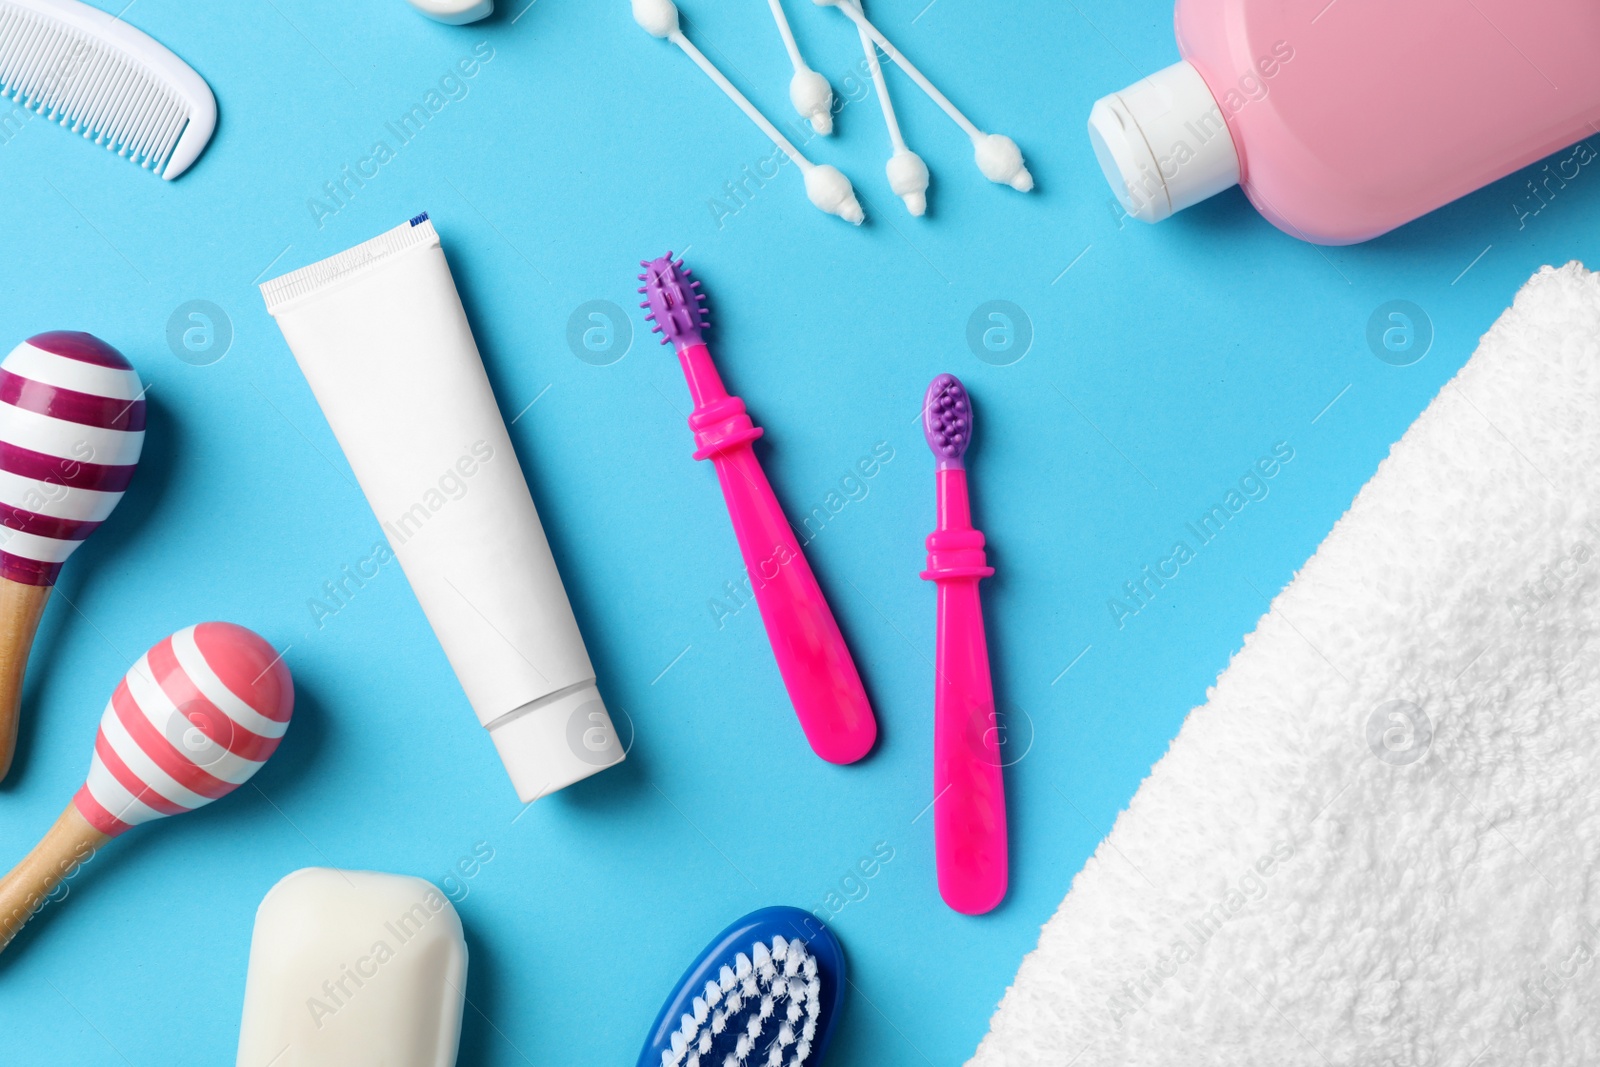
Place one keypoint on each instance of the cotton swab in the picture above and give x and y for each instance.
(908, 174)
(826, 186)
(997, 155)
(809, 91)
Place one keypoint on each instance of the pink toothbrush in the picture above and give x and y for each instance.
(816, 666)
(969, 816)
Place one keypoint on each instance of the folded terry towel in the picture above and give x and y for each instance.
(1375, 844)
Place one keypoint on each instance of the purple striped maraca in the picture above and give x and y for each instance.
(71, 428)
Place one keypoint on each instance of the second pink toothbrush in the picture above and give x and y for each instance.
(816, 666)
(969, 805)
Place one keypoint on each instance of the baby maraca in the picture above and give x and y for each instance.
(71, 428)
(190, 722)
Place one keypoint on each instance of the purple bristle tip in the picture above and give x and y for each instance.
(947, 419)
(676, 305)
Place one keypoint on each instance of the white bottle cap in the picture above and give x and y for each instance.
(1163, 143)
(455, 12)
(550, 743)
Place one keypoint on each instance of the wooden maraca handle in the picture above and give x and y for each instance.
(70, 842)
(21, 607)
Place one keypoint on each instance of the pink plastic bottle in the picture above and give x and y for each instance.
(1343, 119)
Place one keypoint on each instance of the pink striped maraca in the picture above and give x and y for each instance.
(190, 722)
(71, 428)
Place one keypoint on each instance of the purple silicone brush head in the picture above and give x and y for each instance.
(676, 304)
(947, 420)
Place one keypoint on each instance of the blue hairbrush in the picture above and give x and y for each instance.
(766, 991)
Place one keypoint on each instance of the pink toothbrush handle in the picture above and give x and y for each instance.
(969, 796)
(817, 670)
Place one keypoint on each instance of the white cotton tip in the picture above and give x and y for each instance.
(831, 191)
(658, 17)
(812, 96)
(908, 177)
(1001, 161)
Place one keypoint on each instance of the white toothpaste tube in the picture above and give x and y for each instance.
(380, 334)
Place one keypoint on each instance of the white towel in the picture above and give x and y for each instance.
(1376, 842)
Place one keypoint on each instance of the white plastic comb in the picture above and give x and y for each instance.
(99, 76)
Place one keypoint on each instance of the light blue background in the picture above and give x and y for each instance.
(1163, 364)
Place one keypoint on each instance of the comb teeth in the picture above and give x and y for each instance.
(675, 303)
(100, 77)
(947, 419)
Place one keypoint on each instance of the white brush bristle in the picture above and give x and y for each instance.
(92, 84)
(761, 1005)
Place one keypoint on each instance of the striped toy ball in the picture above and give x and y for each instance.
(192, 721)
(71, 427)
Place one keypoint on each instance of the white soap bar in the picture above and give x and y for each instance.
(353, 967)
